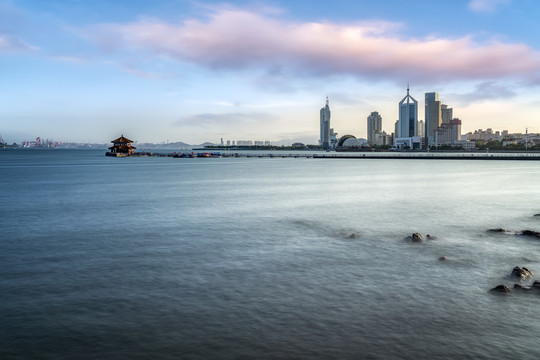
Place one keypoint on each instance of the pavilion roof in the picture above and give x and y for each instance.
(122, 139)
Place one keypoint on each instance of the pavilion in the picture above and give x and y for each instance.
(121, 147)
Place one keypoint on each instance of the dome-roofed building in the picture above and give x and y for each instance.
(348, 143)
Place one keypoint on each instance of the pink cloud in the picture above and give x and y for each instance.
(238, 39)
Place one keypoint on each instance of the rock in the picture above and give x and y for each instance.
(531, 233)
(497, 230)
(522, 273)
(501, 289)
(430, 237)
(417, 237)
(536, 215)
(521, 287)
(536, 285)
(443, 258)
(352, 236)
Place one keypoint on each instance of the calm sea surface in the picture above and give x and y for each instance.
(248, 258)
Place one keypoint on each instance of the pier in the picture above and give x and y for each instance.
(356, 155)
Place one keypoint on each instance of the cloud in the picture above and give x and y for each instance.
(228, 119)
(11, 22)
(486, 5)
(235, 39)
(484, 92)
(11, 44)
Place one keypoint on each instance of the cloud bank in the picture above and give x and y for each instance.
(485, 91)
(235, 39)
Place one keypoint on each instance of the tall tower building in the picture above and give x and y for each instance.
(433, 116)
(374, 126)
(325, 126)
(408, 116)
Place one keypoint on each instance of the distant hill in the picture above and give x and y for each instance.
(304, 140)
(174, 146)
(206, 144)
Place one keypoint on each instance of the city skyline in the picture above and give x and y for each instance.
(200, 71)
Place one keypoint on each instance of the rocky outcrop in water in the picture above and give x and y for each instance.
(522, 273)
(531, 233)
(497, 230)
(536, 215)
(521, 287)
(500, 289)
(352, 236)
(416, 237)
(443, 258)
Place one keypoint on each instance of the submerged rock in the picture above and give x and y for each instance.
(497, 230)
(536, 285)
(531, 233)
(417, 237)
(521, 287)
(500, 289)
(430, 237)
(522, 273)
(536, 215)
(443, 258)
(352, 236)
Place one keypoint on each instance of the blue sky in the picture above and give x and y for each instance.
(198, 71)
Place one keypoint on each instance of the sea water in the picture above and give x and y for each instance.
(264, 258)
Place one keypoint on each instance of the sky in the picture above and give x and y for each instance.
(197, 71)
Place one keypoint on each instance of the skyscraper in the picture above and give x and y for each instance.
(433, 116)
(325, 126)
(408, 116)
(447, 114)
(421, 128)
(374, 126)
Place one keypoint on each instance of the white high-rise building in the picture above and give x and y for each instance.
(408, 116)
(421, 128)
(407, 136)
(325, 126)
